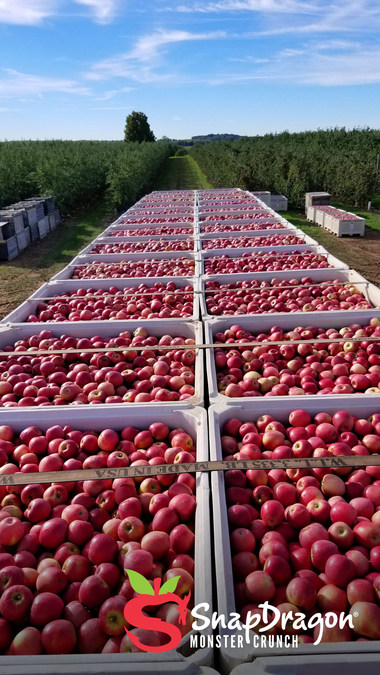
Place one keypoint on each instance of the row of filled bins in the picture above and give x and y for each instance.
(180, 410)
(56, 394)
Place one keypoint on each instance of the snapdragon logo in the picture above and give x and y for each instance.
(259, 624)
(154, 597)
(257, 630)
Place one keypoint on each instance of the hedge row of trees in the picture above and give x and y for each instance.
(77, 173)
(344, 163)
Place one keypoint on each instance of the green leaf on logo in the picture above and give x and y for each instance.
(139, 583)
(169, 586)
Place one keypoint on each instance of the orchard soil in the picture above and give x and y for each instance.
(360, 253)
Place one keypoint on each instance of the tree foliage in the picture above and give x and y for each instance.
(133, 172)
(137, 129)
(78, 173)
(338, 161)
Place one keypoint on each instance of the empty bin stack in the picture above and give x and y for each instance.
(27, 221)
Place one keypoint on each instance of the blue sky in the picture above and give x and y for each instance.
(76, 68)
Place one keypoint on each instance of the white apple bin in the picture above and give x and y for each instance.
(107, 238)
(120, 225)
(115, 240)
(239, 221)
(163, 204)
(231, 200)
(370, 292)
(228, 209)
(219, 213)
(157, 211)
(10, 333)
(310, 213)
(305, 243)
(142, 204)
(90, 664)
(319, 216)
(275, 250)
(127, 257)
(341, 227)
(287, 229)
(279, 409)
(68, 271)
(332, 664)
(22, 312)
(272, 218)
(161, 200)
(262, 323)
(238, 254)
(194, 422)
(150, 220)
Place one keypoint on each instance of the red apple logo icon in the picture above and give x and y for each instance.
(148, 596)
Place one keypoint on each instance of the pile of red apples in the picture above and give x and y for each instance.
(151, 231)
(159, 219)
(297, 369)
(131, 269)
(135, 375)
(64, 547)
(151, 246)
(288, 295)
(260, 261)
(161, 301)
(306, 540)
(223, 227)
(259, 215)
(252, 242)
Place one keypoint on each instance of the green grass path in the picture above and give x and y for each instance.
(181, 173)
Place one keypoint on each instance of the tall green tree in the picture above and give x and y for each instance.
(137, 128)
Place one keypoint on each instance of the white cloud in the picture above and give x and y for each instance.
(325, 65)
(147, 47)
(337, 69)
(18, 84)
(139, 63)
(26, 12)
(110, 107)
(272, 6)
(104, 11)
(33, 12)
(108, 95)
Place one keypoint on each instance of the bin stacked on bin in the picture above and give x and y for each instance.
(23, 223)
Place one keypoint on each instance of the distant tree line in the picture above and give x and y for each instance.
(342, 162)
(208, 138)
